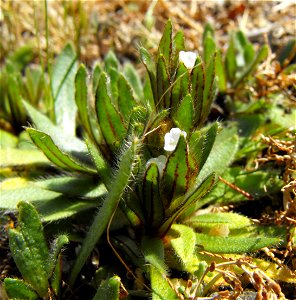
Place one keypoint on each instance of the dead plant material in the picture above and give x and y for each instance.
(95, 27)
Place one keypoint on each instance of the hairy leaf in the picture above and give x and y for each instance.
(110, 204)
(184, 114)
(29, 248)
(109, 289)
(18, 289)
(233, 244)
(55, 155)
(184, 244)
(110, 121)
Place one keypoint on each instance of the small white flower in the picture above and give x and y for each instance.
(160, 161)
(188, 58)
(171, 138)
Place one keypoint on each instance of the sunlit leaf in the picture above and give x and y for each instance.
(62, 86)
(55, 155)
(184, 115)
(18, 289)
(233, 244)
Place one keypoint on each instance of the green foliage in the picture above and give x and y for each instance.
(109, 206)
(98, 142)
(109, 289)
(62, 87)
(31, 255)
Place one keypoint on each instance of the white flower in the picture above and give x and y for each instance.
(188, 58)
(160, 161)
(171, 138)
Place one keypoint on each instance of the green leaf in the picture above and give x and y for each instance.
(249, 53)
(103, 169)
(112, 84)
(62, 86)
(220, 71)
(149, 63)
(183, 245)
(230, 61)
(109, 119)
(261, 56)
(18, 289)
(154, 253)
(163, 83)
(111, 61)
(63, 140)
(126, 101)
(21, 57)
(208, 31)
(55, 155)
(178, 45)
(119, 184)
(181, 86)
(257, 183)
(201, 144)
(34, 83)
(48, 196)
(197, 86)
(97, 71)
(186, 203)
(209, 46)
(15, 100)
(134, 80)
(81, 98)
(174, 181)
(81, 186)
(12, 192)
(221, 155)
(109, 289)
(22, 157)
(61, 208)
(56, 249)
(233, 244)
(7, 141)
(183, 117)
(209, 92)
(194, 198)
(131, 248)
(165, 44)
(29, 248)
(161, 290)
(206, 221)
(152, 203)
(287, 53)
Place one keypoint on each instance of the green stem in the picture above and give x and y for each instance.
(111, 202)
